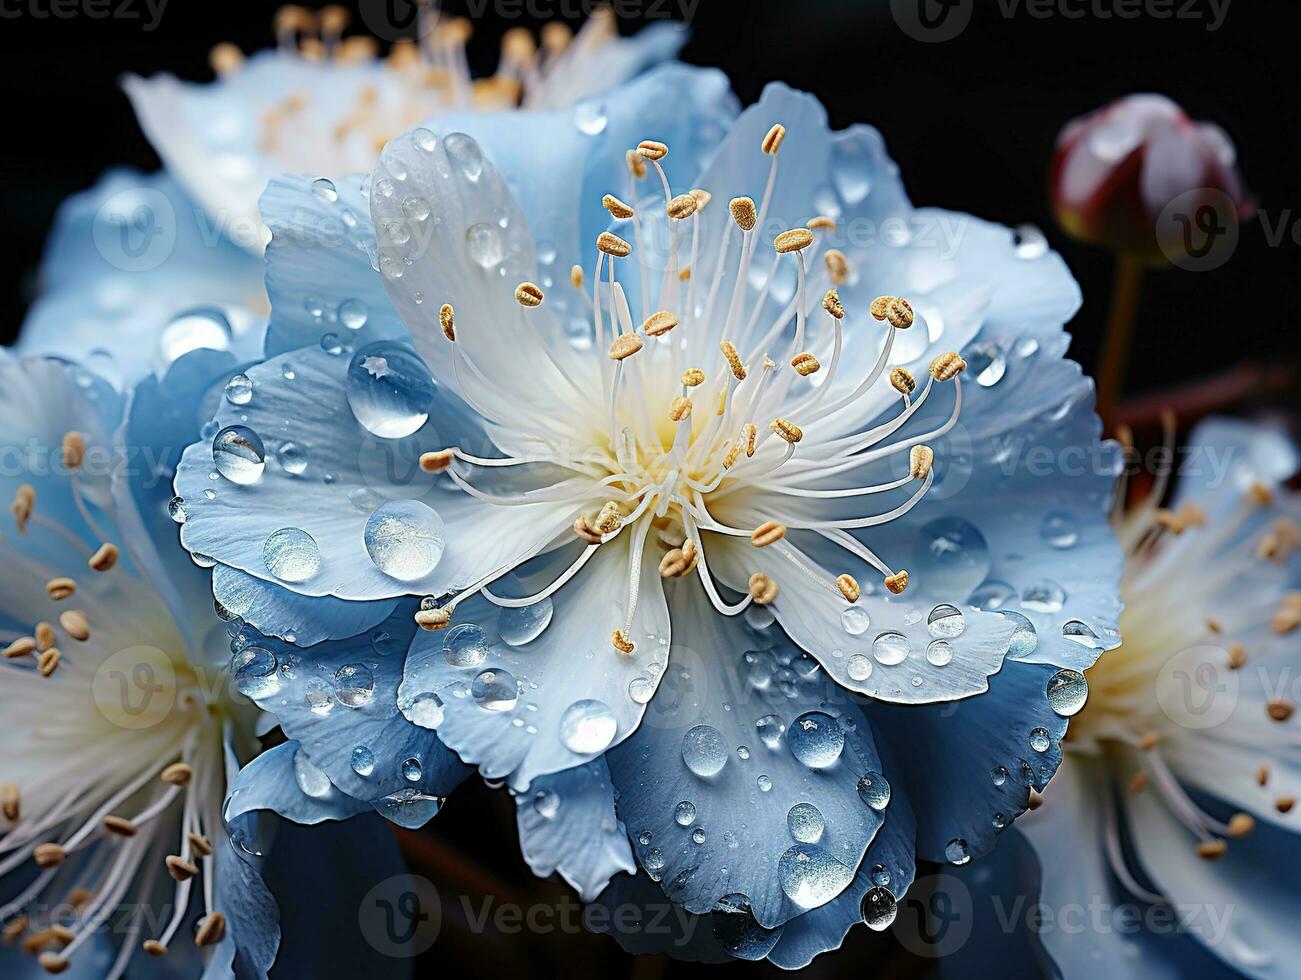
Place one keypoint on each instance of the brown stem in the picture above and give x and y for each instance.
(1120, 331)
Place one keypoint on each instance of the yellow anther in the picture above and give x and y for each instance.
(225, 58)
(831, 303)
(743, 212)
(1279, 709)
(10, 801)
(902, 381)
(576, 277)
(48, 662)
(291, 19)
(1237, 656)
(636, 165)
(720, 405)
(772, 141)
(625, 345)
(679, 408)
(527, 294)
(769, 532)
(750, 435)
(684, 273)
(733, 359)
(334, 19)
(179, 868)
(24, 646)
(763, 590)
(356, 50)
(1209, 850)
(702, 197)
(794, 240)
(60, 588)
(1261, 495)
(212, 929)
(49, 855)
(617, 208)
(610, 517)
(920, 461)
(947, 366)
(848, 586)
(200, 843)
(556, 35)
(120, 826)
(681, 207)
(518, 46)
(1241, 824)
(153, 947)
(403, 54)
(44, 636)
(678, 561)
(612, 244)
(1149, 741)
(837, 266)
(619, 639)
(652, 150)
(1284, 804)
(732, 455)
(74, 450)
(177, 774)
(104, 558)
(692, 377)
(436, 462)
(1262, 774)
(447, 320)
(805, 364)
(821, 221)
(24, 503)
(1138, 783)
(897, 582)
(898, 313)
(658, 323)
(433, 619)
(75, 624)
(787, 430)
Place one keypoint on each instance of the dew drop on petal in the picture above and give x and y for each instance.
(951, 557)
(991, 595)
(404, 539)
(363, 761)
(587, 727)
(939, 653)
(879, 908)
(485, 245)
(1066, 692)
(389, 389)
(324, 188)
(1024, 638)
(523, 624)
(291, 554)
(810, 876)
(771, 728)
(292, 459)
(546, 804)
(465, 645)
(738, 932)
(353, 314)
(891, 648)
(590, 117)
(816, 739)
(411, 770)
(805, 823)
(239, 390)
(239, 454)
(764, 784)
(946, 621)
(874, 790)
(254, 672)
(955, 851)
(704, 750)
(204, 327)
(465, 155)
(311, 780)
(685, 813)
(1040, 740)
(424, 709)
(986, 362)
(880, 874)
(354, 685)
(858, 667)
(641, 689)
(855, 621)
(495, 690)
(1043, 596)
(998, 775)
(176, 510)
(1060, 530)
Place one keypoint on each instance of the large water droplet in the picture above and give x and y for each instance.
(485, 245)
(465, 645)
(771, 728)
(495, 690)
(590, 117)
(465, 155)
(855, 621)
(291, 554)
(176, 510)
(952, 557)
(389, 389)
(939, 653)
(239, 454)
(1066, 692)
(324, 188)
(363, 761)
(1060, 530)
(879, 908)
(523, 624)
(685, 813)
(986, 362)
(354, 685)
(858, 667)
(404, 539)
(1081, 633)
(946, 621)
(805, 823)
(412, 770)
(587, 727)
(737, 931)
(955, 851)
(1024, 638)
(292, 459)
(991, 595)
(424, 709)
(204, 327)
(704, 750)
(816, 739)
(409, 807)
(891, 648)
(254, 672)
(810, 876)
(239, 390)
(310, 778)
(874, 790)
(1043, 596)
(1040, 740)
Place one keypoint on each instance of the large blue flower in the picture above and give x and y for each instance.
(1174, 816)
(122, 736)
(711, 582)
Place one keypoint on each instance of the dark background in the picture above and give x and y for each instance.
(972, 124)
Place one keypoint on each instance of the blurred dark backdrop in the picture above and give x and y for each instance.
(972, 123)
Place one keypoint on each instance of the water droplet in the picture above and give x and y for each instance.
(1043, 596)
(409, 807)
(991, 595)
(389, 389)
(1060, 530)
(641, 689)
(292, 459)
(465, 155)
(816, 739)
(946, 621)
(1030, 242)
(522, 624)
(1024, 638)
(704, 750)
(363, 761)
(353, 314)
(465, 645)
(685, 813)
(939, 653)
(311, 780)
(805, 823)
(654, 860)
(851, 169)
(1082, 634)
(204, 327)
(737, 931)
(955, 851)
(485, 245)
(331, 344)
(998, 775)
(1040, 741)
(998, 821)
(986, 362)
(587, 727)
(318, 698)
(416, 208)
(239, 390)
(698, 835)
(291, 554)
(743, 752)
(1066, 692)
(404, 539)
(176, 510)
(952, 557)
(771, 728)
(325, 190)
(880, 875)
(254, 672)
(858, 667)
(354, 685)
(874, 790)
(546, 804)
(424, 709)
(411, 770)
(855, 621)
(590, 117)
(891, 648)
(424, 140)
(764, 784)
(879, 908)
(810, 876)
(239, 454)
(495, 690)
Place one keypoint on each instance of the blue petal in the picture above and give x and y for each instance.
(285, 782)
(567, 824)
(303, 620)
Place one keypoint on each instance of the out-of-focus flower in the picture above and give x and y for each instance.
(1174, 811)
(1118, 169)
(121, 736)
(142, 268)
(591, 455)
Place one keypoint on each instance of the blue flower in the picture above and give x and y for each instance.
(1175, 810)
(711, 581)
(122, 736)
